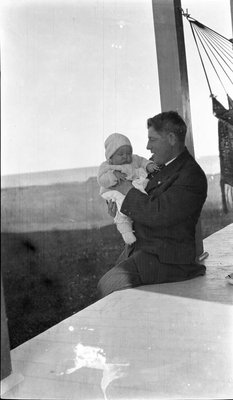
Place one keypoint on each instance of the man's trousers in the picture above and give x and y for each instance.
(136, 268)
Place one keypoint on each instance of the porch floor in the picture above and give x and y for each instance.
(152, 342)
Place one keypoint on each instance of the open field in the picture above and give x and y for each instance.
(68, 206)
(60, 206)
(48, 276)
(51, 272)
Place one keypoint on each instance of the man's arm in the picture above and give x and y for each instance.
(179, 199)
(123, 187)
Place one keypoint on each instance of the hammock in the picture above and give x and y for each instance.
(216, 51)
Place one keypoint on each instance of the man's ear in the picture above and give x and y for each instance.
(172, 138)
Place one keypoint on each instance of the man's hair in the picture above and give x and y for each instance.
(169, 121)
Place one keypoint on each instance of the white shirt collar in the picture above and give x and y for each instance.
(168, 162)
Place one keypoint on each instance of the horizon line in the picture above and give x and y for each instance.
(75, 168)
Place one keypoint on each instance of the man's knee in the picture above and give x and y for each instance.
(101, 289)
(123, 276)
(106, 284)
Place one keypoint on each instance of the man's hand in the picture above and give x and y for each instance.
(112, 208)
(123, 187)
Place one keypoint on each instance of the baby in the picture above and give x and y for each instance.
(121, 164)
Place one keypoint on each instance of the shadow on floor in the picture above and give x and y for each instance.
(211, 287)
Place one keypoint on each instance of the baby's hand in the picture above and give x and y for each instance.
(120, 176)
(151, 167)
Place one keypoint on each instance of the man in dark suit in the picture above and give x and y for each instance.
(165, 218)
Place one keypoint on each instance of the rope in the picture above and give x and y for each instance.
(207, 79)
(202, 37)
(216, 47)
(194, 21)
(218, 61)
(204, 34)
(210, 63)
(223, 43)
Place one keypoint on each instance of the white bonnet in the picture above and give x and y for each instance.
(114, 142)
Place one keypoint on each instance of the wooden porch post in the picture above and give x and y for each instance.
(8, 379)
(5, 346)
(231, 6)
(172, 69)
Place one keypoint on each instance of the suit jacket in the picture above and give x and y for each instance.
(165, 219)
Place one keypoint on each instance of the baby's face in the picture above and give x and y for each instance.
(123, 155)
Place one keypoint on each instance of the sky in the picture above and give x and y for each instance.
(74, 72)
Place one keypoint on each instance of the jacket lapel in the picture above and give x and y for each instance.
(168, 171)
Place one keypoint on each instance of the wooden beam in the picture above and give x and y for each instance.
(5, 346)
(8, 378)
(231, 6)
(172, 70)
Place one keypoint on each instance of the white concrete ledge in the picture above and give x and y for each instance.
(213, 286)
(153, 342)
(9, 382)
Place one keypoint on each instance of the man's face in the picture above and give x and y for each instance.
(160, 145)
